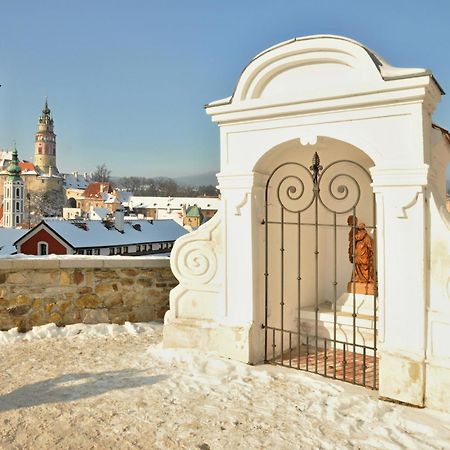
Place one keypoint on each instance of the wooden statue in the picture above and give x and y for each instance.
(360, 252)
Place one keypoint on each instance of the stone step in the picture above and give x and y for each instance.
(364, 326)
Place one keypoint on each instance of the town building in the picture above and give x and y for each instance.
(94, 196)
(42, 175)
(172, 207)
(13, 195)
(94, 237)
(74, 186)
(193, 217)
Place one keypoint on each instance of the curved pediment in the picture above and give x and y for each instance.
(315, 67)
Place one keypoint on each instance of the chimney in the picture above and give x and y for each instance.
(119, 219)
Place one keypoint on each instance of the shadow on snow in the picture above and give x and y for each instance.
(71, 387)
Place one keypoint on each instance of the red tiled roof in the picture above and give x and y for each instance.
(94, 190)
(26, 166)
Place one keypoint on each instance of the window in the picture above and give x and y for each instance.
(18, 192)
(138, 248)
(118, 250)
(111, 251)
(97, 251)
(42, 248)
(17, 206)
(125, 249)
(89, 252)
(17, 220)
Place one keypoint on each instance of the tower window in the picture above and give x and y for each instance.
(17, 206)
(17, 220)
(40, 150)
(18, 192)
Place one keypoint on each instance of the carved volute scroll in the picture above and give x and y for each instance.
(194, 258)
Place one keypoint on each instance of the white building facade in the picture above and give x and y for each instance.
(242, 273)
(13, 195)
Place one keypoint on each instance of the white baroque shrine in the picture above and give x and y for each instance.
(318, 129)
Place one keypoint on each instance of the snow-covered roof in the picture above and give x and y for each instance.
(204, 203)
(110, 198)
(76, 181)
(123, 196)
(7, 238)
(5, 158)
(101, 213)
(96, 234)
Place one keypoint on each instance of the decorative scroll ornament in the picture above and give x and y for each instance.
(194, 257)
(341, 192)
(293, 190)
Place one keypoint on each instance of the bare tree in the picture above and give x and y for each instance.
(46, 204)
(101, 173)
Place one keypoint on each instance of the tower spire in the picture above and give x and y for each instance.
(45, 143)
(14, 169)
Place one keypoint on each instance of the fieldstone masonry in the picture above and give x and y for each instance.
(68, 290)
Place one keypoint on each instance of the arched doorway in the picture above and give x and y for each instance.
(319, 266)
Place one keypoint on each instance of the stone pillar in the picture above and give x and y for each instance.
(243, 198)
(218, 305)
(402, 281)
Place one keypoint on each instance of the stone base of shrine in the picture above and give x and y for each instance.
(207, 335)
(363, 303)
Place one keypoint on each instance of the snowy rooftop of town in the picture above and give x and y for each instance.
(7, 238)
(94, 233)
(76, 181)
(173, 202)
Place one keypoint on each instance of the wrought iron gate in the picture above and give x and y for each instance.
(333, 336)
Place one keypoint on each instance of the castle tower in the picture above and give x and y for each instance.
(45, 144)
(13, 195)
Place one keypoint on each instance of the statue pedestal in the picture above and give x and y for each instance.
(363, 303)
(360, 288)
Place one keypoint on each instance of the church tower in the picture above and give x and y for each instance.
(45, 144)
(13, 195)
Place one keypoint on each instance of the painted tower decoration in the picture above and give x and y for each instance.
(45, 144)
(13, 194)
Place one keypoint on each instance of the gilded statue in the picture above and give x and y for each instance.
(360, 252)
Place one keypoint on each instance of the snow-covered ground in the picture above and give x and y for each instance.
(114, 387)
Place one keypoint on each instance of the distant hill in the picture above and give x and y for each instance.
(202, 179)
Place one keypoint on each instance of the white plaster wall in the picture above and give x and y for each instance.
(438, 324)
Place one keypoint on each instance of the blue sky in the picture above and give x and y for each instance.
(127, 81)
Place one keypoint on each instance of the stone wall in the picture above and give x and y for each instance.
(69, 289)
